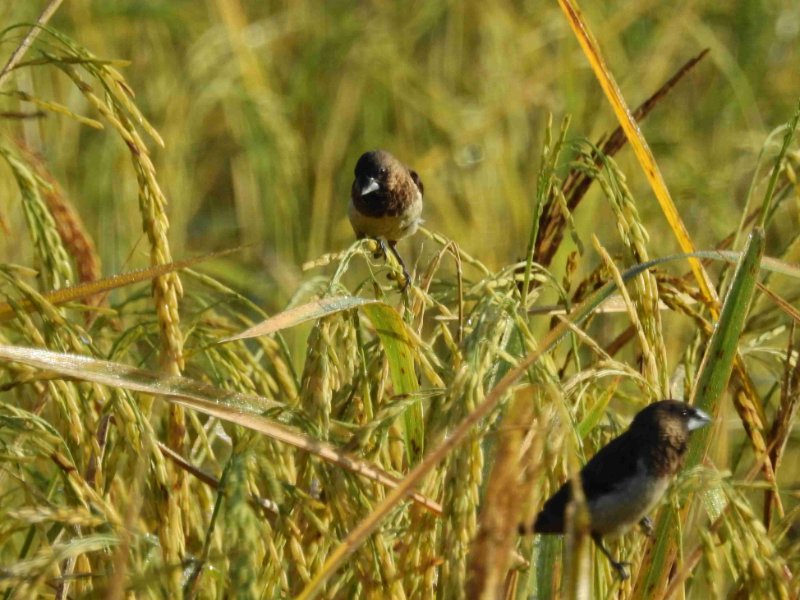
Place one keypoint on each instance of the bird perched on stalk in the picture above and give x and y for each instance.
(385, 202)
(628, 477)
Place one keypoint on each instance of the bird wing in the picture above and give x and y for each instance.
(417, 180)
(613, 464)
(616, 462)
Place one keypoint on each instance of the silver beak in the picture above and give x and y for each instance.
(369, 187)
(698, 419)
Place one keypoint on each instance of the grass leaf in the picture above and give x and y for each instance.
(227, 406)
(400, 355)
(301, 314)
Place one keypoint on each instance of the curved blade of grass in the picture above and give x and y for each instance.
(638, 143)
(232, 407)
(107, 284)
(400, 355)
(317, 309)
(615, 303)
(301, 314)
(767, 262)
(715, 371)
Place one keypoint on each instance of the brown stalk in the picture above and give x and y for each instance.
(491, 551)
(268, 506)
(784, 420)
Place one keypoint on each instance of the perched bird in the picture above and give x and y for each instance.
(385, 201)
(627, 478)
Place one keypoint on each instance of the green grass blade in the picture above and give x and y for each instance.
(399, 351)
(715, 370)
(714, 374)
(301, 314)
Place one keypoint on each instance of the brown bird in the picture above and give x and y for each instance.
(628, 477)
(385, 201)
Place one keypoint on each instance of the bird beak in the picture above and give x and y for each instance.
(370, 186)
(698, 419)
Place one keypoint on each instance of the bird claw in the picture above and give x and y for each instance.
(622, 569)
(646, 523)
(620, 566)
(381, 251)
(384, 251)
(406, 279)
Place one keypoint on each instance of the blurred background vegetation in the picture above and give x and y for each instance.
(264, 107)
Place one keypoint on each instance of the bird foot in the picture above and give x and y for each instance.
(390, 247)
(406, 279)
(622, 569)
(646, 523)
(381, 251)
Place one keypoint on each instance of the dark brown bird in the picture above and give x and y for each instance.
(385, 201)
(628, 477)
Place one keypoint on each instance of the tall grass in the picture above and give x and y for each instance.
(150, 455)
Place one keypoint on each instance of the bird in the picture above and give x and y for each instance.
(385, 202)
(627, 477)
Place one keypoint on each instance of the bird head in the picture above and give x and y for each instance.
(670, 418)
(373, 171)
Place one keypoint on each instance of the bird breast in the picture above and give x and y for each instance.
(614, 513)
(391, 227)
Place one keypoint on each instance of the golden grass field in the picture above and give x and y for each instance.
(175, 174)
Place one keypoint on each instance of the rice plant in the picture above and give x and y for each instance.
(208, 389)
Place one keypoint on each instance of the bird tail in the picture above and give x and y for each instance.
(547, 521)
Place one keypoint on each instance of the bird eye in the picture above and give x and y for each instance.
(382, 171)
(684, 412)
